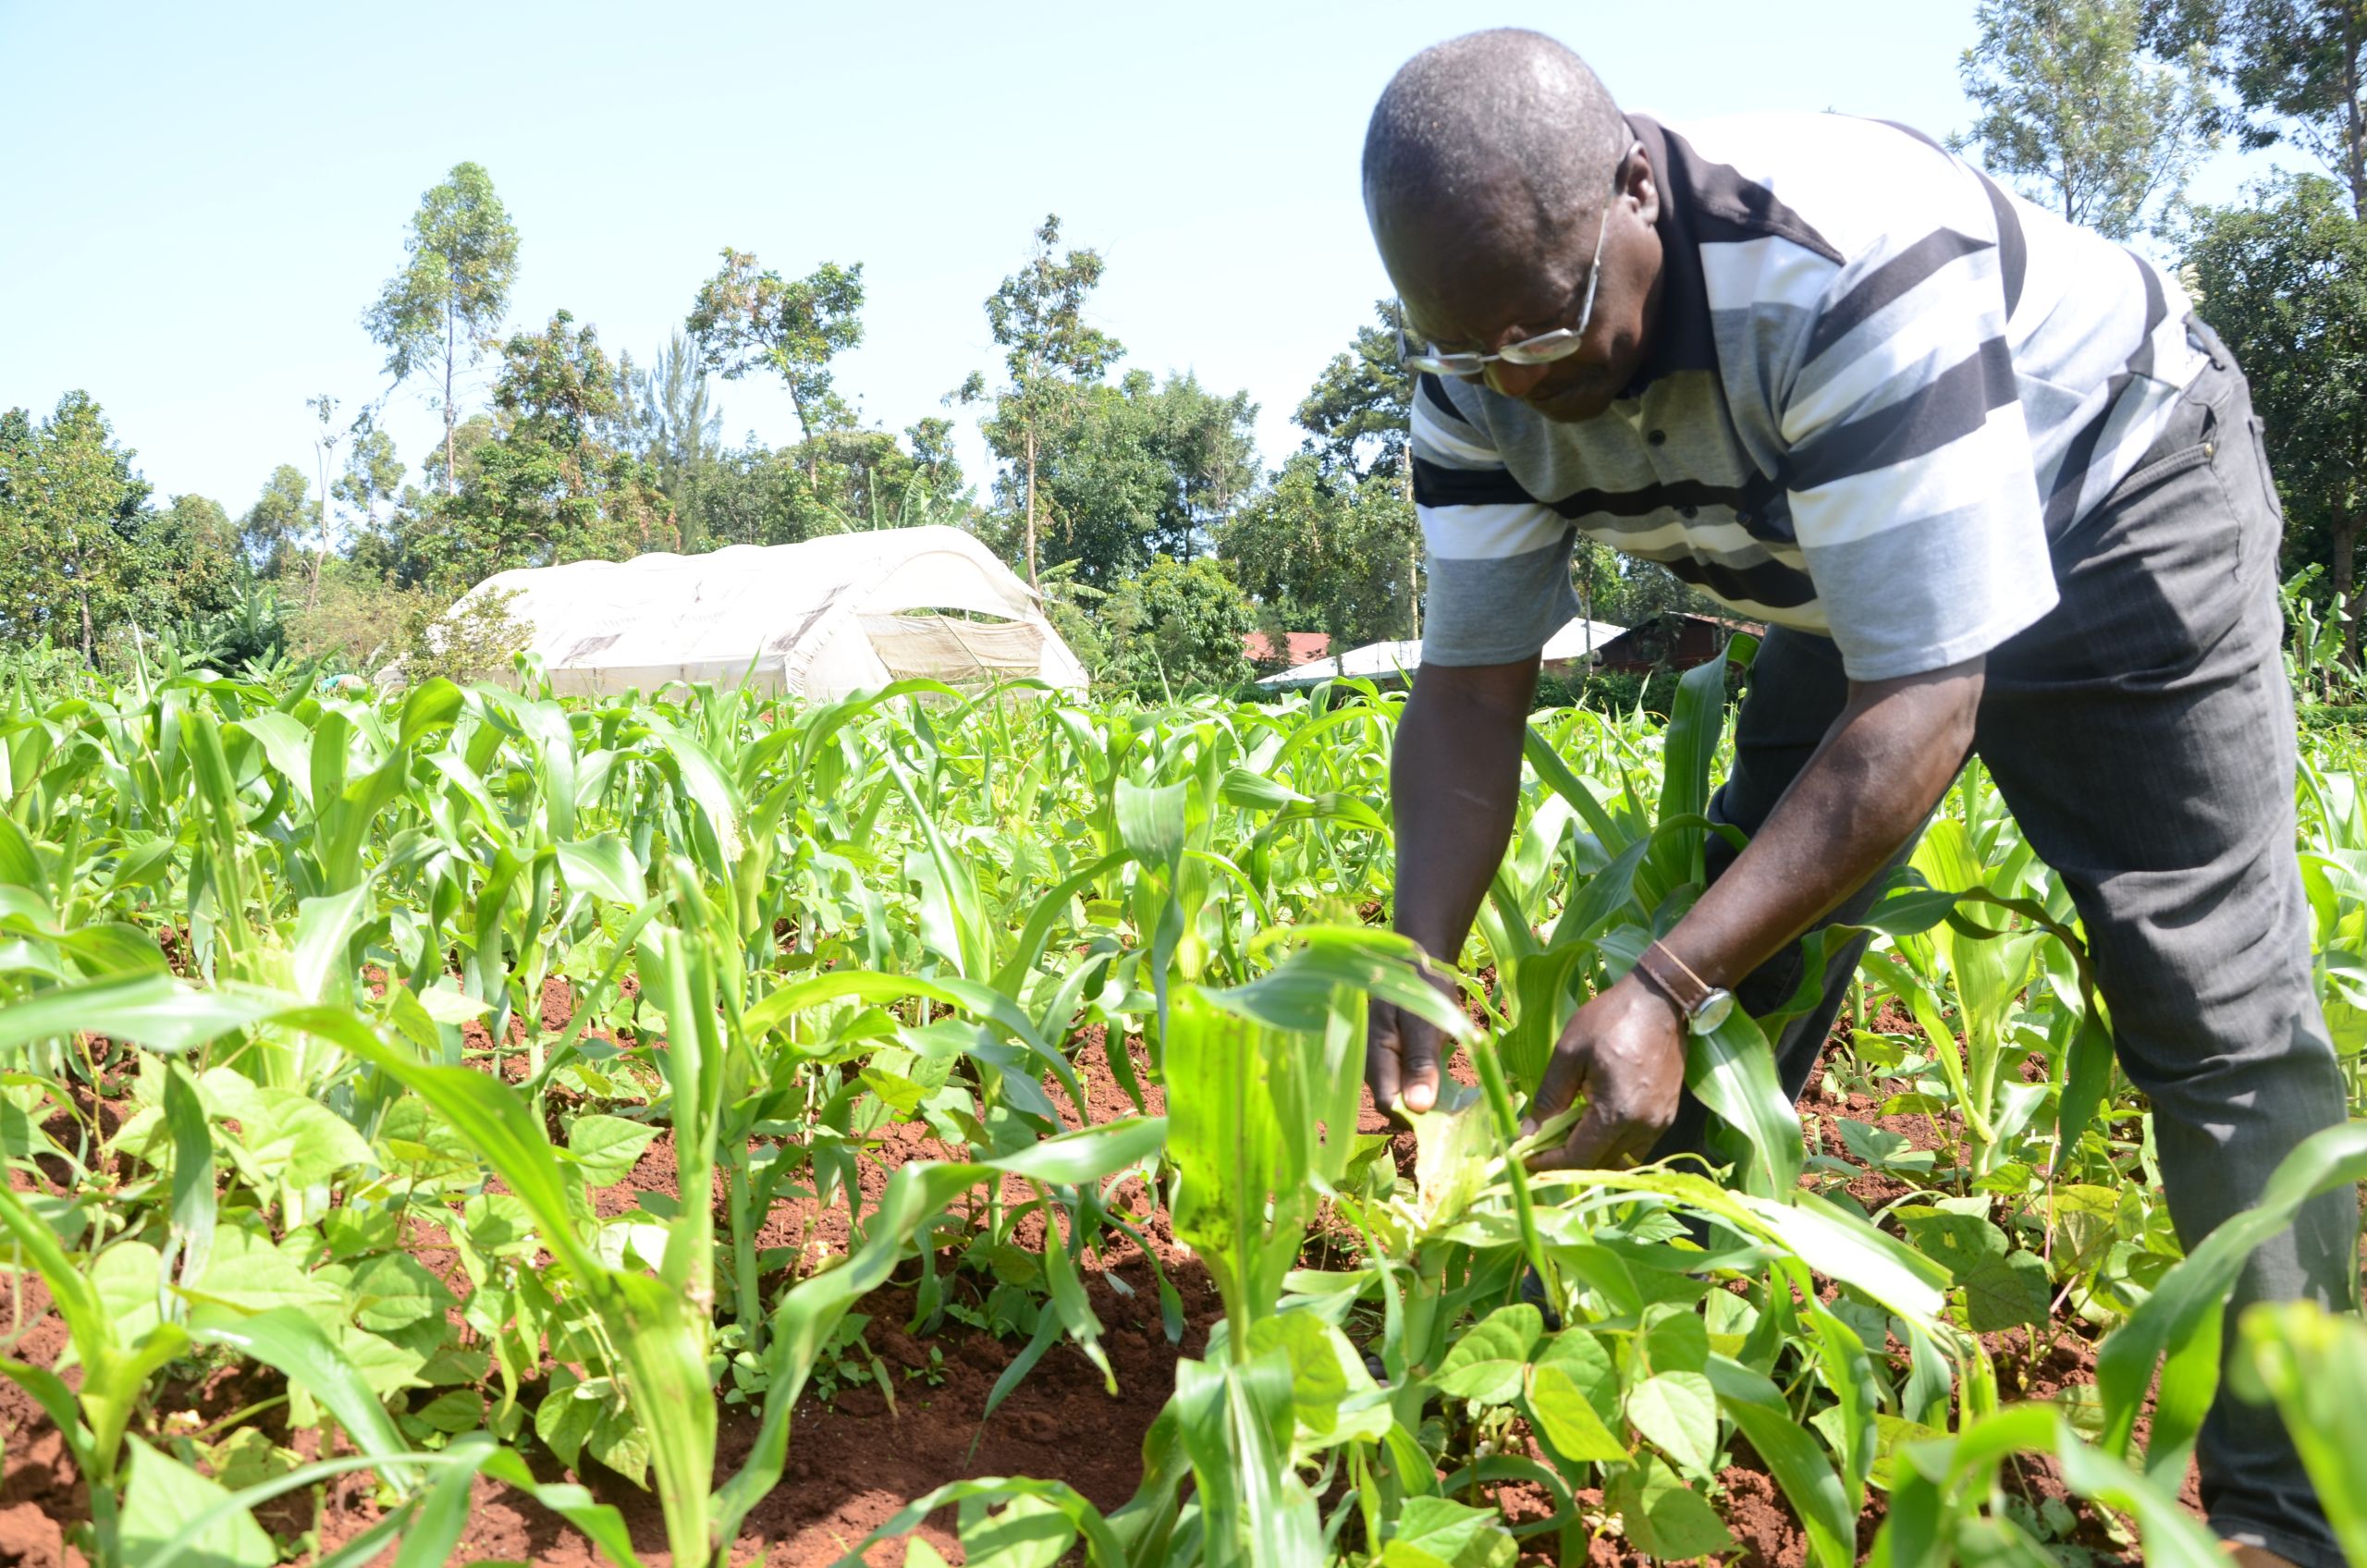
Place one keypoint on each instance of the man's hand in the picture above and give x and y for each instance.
(1624, 1050)
(1402, 1054)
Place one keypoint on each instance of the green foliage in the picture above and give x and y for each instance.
(253, 630)
(358, 619)
(473, 640)
(746, 319)
(1050, 355)
(2314, 1368)
(1356, 414)
(674, 430)
(2299, 69)
(2070, 103)
(443, 311)
(278, 518)
(82, 551)
(840, 481)
(548, 482)
(1175, 628)
(1131, 471)
(1326, 554)
(294, 939)
(373, 474)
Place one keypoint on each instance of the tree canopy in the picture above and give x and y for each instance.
(444, 309)
(2072, 106)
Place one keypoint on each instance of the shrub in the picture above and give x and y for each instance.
(473, 640)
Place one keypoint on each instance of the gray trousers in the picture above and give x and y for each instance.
(2142, 735)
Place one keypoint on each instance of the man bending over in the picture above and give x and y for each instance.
(1995, 487)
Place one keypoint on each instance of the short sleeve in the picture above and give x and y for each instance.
(1908, 463)
(1499, 561)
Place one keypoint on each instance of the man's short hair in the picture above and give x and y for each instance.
(1460, 117)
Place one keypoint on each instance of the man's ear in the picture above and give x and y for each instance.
(1645, 187)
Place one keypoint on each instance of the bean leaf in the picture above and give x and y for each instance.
(1485, 1365)
(1678, 1410)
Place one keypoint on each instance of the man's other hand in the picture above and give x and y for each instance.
(1402, 1054)
(1624, 1050)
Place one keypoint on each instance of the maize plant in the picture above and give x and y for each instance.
(524, 1087)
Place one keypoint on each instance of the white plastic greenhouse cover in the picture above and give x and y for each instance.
(843, 613)
(1578, 639)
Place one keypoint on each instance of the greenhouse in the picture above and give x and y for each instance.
(819, 619)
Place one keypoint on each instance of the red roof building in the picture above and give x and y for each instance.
(1304, 647)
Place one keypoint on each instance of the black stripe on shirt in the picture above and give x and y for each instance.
(1436, 485)
(2072, 475)
(1748, 501)
(1951, 406)
(1777, 587)
(1887, 284)
(1434, 393)
(1756, 503)
(2012, 251)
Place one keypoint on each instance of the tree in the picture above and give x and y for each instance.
(444, 309)
(931, 440)
(182, 560)
(1358, 414)
(2299, 69)
(675, 430)
(1176, 628)
(324, 441)
(71, 504)
(2284, 281)
(373, 471)
(748, 320)
(552, 484)
(1051, 354)
(2071, 103)
(1358, 418)
(269, 530)
(449, 468)
(1323, 554)
(1133, 470)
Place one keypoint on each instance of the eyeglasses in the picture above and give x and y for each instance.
(1544, 348)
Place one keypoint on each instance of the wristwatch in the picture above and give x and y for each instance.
(1704, 1006)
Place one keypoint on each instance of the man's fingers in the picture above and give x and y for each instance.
(1589, 1146)
(1381, 1046)
(1564, 1080)
(1600, 1141)
(1417, 1046)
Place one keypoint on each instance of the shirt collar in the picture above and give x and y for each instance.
(1682, 339)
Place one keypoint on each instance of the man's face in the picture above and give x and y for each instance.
(1490, 269)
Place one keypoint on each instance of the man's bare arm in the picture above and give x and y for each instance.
(1880, 769)
(1455, 783)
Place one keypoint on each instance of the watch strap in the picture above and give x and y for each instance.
(1671, 977)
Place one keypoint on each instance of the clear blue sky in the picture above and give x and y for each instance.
(205, 198)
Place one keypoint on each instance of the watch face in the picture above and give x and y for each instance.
(1713, 1010)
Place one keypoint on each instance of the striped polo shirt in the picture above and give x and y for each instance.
(1878, 387)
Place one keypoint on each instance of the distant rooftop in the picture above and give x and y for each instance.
(1299, 647)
